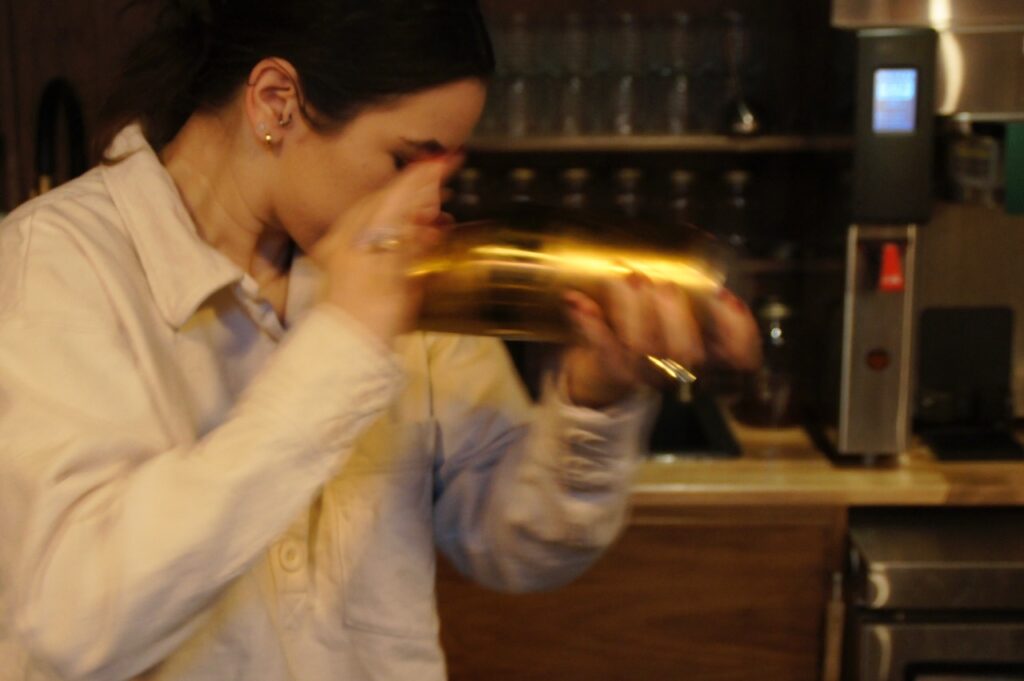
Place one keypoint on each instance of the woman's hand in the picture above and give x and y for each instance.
(643, 319)
(369, 249)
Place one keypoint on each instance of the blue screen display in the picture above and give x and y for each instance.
(895, 109)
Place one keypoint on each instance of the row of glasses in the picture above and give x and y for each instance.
(620, 75)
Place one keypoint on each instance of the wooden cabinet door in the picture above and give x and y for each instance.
(707, 595)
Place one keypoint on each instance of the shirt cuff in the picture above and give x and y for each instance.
(327, 379)
(638, 402)
(598, 448)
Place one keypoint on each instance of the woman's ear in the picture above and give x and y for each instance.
(273, 102)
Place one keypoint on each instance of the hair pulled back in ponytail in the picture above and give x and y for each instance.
(349, 54)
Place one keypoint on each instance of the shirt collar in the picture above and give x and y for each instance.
(182, 269)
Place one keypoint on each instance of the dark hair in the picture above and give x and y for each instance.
(349, 54)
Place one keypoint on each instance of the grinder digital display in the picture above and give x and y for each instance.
(895, 126)
(895, 101)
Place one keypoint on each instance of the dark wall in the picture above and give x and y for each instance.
(81, 40)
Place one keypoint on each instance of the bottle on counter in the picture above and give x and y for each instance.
(769, 398)
(677, 87)
(574, 107)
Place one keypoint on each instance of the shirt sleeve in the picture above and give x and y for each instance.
(114, 540)
(528, 496)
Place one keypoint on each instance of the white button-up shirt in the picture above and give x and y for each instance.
(190, 489)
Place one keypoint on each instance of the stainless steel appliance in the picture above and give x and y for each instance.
(875, 388)
(932, 292)
(935, 594)
(892, 195)
(979, 63)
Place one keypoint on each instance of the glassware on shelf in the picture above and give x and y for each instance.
(627, 191)
(518, 91)
(492, 118)
(574, 108)
(522, 184)
(548, 77)
(740, 117)
(574, 186)
(677, 95)
(681, 205)
(626, 73)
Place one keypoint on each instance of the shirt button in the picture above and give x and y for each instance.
(290, 555)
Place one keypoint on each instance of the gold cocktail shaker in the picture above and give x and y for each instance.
(506, 276)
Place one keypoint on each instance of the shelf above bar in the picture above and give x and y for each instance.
(662, 143)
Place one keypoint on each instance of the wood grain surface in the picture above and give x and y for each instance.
(710, 594)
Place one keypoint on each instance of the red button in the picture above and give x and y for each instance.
(879, 359)
(891, 279)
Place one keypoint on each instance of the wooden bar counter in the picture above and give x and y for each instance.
(783, 467)
(729, 570)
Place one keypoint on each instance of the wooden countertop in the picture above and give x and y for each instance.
(783, 467)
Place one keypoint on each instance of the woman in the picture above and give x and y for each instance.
(224, 455)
